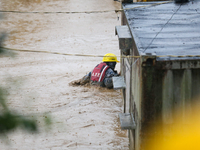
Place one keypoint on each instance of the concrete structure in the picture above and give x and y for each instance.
(166, 76)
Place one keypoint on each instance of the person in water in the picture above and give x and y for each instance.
(102, 74)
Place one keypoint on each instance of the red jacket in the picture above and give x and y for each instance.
(99, 72)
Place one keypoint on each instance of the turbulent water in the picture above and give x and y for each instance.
(83, 117)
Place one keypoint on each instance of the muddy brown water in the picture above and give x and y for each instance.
(83, 117)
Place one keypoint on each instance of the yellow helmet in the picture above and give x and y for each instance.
(110, 57)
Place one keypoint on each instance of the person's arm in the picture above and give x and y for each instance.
(108, 78)
(86, 78)
(117, 74)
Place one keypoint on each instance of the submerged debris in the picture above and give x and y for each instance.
(79, 82)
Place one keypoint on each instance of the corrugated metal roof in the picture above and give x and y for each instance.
(166, 29)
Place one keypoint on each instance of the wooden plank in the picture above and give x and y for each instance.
(168, 98)
(128, 86)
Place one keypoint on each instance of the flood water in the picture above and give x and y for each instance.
(83, 117)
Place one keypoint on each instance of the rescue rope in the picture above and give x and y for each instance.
(87, 12)
(58, 53)
(83, 55)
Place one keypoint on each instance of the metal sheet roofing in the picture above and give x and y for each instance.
(165, 29)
